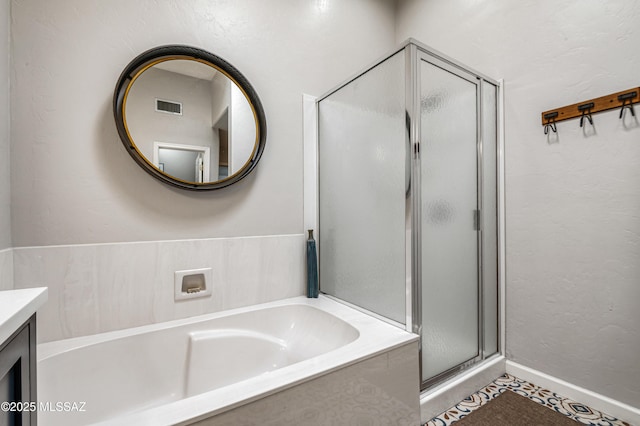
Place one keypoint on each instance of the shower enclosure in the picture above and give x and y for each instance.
(408, 223)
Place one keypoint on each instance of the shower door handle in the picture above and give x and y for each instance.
(476, 220)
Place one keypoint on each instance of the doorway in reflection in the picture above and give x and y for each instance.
(186, 162)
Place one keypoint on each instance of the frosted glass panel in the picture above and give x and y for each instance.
(449, 205)
(363, 182)
(489, 218)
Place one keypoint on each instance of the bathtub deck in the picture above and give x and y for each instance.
(352, 339)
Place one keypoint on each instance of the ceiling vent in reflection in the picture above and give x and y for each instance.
(169, 107)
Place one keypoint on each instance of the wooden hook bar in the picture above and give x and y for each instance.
(603, 103)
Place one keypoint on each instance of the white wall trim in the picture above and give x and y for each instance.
(143, 242)
(310, 147)
(451, 392)
(585, 396)
(502, 228)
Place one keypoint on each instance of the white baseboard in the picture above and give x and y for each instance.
(448, 394)
(594, 400)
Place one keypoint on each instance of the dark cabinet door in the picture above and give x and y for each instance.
(17, 376)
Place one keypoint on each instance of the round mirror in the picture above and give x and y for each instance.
(189, 118)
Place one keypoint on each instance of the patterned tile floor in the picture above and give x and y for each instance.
(579, 412)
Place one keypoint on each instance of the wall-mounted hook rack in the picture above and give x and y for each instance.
(622, 100)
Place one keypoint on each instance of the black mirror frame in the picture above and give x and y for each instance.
(152, 56)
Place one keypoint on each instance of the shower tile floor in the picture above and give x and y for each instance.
(578, 412)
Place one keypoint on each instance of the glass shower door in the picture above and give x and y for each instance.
(363, 185)
(449, 152)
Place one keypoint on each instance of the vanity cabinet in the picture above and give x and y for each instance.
(18, 375)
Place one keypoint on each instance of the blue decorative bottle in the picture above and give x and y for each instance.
(312, 267)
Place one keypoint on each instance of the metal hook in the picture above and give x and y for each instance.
(586, 112)
(551, 123)
(551, 126)
(627, 97)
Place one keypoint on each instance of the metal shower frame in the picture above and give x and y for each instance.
(416, 51)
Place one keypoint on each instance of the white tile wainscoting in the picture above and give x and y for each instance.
(6, 269)
(95, 288)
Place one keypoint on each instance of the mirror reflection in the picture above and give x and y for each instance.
(190, 121)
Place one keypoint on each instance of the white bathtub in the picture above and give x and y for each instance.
(184, 371)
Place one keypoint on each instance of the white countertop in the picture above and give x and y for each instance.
(17, 306)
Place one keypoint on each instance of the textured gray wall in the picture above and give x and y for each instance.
(72, 180)
(573, 204)
(5, 184)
